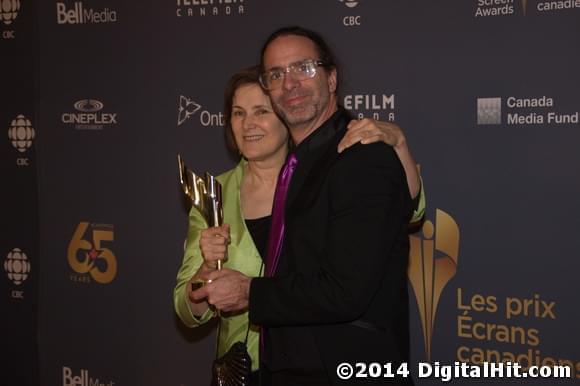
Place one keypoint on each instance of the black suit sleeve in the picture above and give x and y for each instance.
(369, 206)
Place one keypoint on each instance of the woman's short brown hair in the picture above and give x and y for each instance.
(245, 76)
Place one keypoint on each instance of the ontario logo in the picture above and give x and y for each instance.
(432, 264)
(188, 108)
(88, 256)
(203, 8)
(89, 115)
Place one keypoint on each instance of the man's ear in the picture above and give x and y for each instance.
(332, 80)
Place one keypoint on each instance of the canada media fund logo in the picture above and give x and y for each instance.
(89, 254)
(518, 110)
(432, 264)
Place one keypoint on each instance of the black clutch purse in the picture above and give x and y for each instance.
(233, 368)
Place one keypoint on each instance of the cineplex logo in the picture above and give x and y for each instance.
(8, 13)
(376, 106)
(89, 115)
(81, 14)
(523, 111)
(209, 8)
(188, 107)
(82, 379)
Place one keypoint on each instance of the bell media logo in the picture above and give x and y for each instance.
(89, 115)
(79, 13)
(82, 379)
(488, 111)
(202, 8)
(188, 108)
(432, 264)
(87, 255)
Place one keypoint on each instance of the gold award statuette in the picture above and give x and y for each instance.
(205, 195)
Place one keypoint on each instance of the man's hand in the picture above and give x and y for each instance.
(368, 131)
(227, 290)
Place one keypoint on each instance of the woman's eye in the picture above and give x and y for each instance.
(261, 111)
(237, 113)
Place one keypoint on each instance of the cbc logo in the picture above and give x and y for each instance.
(21, 133)
(351, 21)
(9, 10)
(17, 266)
(349, 3)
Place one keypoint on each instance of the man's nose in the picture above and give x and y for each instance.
(289, 82)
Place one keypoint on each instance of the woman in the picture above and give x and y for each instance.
(253, 128)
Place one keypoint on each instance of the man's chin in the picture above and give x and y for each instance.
(299, 116)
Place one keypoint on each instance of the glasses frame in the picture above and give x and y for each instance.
(290, 69)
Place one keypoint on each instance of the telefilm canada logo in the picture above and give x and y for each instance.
(90, 255)
(89, 115)
(82, 378)
(519, 110)
(206, 8)
(8, 13)
(432, 264)
(188, 108)
(21, 135)
(380, 107)
(17, 268)
(79, 13)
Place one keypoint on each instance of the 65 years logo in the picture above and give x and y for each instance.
(88, 256)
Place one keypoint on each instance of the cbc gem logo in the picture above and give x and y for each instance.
(432, 264)
(21, 133)
(17, 266)
(88, 256)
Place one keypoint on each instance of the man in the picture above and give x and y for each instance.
(337, 290)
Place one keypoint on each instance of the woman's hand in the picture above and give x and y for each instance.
(368, 131)
(214, 245)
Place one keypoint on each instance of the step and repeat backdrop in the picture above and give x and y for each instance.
(487, 92)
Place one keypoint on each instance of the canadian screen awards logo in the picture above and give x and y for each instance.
(89, 115)
(432, 264)
(17, 268)
(89, 254)
(8, 12)
(79, 13)
(21, 134)
(203, 8)
(188, 108)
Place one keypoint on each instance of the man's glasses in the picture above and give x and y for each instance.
(303, 70)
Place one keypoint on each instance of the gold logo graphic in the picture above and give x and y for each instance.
(432, 263)
(93, 259)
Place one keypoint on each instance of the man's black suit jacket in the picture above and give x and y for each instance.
(340, 290)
